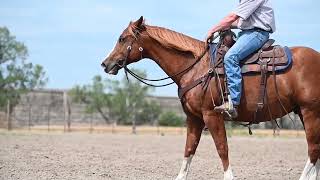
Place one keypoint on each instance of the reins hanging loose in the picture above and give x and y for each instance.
(143, 80)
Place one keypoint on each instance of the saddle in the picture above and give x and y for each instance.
(265, 59)
(268, 59)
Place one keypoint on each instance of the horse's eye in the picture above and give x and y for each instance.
(121, 39)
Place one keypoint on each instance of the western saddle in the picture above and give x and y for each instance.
(269, 59)
(262, 60)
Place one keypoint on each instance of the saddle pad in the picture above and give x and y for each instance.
(255, 68)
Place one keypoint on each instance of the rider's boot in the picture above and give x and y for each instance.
(228, 108)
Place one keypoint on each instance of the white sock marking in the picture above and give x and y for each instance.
(310, 171)
(228, 175)
(184, 168)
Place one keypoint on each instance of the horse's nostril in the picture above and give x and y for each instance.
(103, 65)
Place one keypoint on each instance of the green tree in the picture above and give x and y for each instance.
(16, 74)
(151, 111)
(94, 96)
(125, 102)
(170, 118)
(130, 99)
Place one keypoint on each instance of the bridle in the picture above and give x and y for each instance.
(146, 80)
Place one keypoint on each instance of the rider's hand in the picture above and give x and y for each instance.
(209, 37)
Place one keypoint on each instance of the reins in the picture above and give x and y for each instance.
(146, 80)
(143, 80)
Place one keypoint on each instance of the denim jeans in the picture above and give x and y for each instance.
(248, 42)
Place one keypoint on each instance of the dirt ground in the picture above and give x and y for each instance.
(106, 156)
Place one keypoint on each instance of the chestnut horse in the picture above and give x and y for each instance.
(298, 87)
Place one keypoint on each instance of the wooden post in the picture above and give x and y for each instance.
(29, 120)
(48, 118)
(91, 123)
(8, 116)
(158, 127)
(133, 118)
(65, 108)
(114, 124)
(134, 130)
(69, 121)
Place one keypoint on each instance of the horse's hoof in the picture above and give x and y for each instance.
(181, 178)
(228, 175)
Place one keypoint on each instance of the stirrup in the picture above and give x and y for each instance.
(231, 115)
(231, 112)
(228, 115)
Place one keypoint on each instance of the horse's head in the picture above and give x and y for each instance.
(128, 49)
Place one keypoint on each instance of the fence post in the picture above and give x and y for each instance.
(8, 116)
(114, 124)
(158, 127)
(69, 122)
(91, 123)
(66, 108)
(48, 118)
(134, 130)
(29, 120)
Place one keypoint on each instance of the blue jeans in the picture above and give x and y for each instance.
(248, 42)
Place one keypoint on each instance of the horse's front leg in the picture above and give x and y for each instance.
(194, 130)
(215, 124)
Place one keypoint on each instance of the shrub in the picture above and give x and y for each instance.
(170, 118)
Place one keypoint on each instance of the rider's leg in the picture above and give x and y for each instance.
(248, 42)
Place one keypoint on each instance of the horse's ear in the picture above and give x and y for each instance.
(139, 23)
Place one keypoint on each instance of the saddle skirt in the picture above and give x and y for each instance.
(277, 56)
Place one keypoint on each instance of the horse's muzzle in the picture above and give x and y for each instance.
(111, 68)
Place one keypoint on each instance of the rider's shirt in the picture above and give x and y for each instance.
(256, 14)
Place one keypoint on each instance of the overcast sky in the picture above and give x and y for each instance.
(70, 38)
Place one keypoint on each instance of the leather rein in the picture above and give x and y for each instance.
(146, 80)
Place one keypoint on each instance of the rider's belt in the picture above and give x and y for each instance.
(259, 29)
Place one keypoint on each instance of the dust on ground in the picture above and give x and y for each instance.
(150, 157)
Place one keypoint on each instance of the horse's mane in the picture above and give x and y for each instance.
(175, 40)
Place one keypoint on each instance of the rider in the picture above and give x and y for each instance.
(256, 20)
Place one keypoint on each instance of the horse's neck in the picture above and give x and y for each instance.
(171, 60)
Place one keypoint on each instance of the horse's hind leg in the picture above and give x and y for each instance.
(311, 120)
(194, 130)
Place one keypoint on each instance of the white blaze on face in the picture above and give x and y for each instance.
(111, 50)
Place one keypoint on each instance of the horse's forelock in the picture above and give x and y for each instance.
(135, 30)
